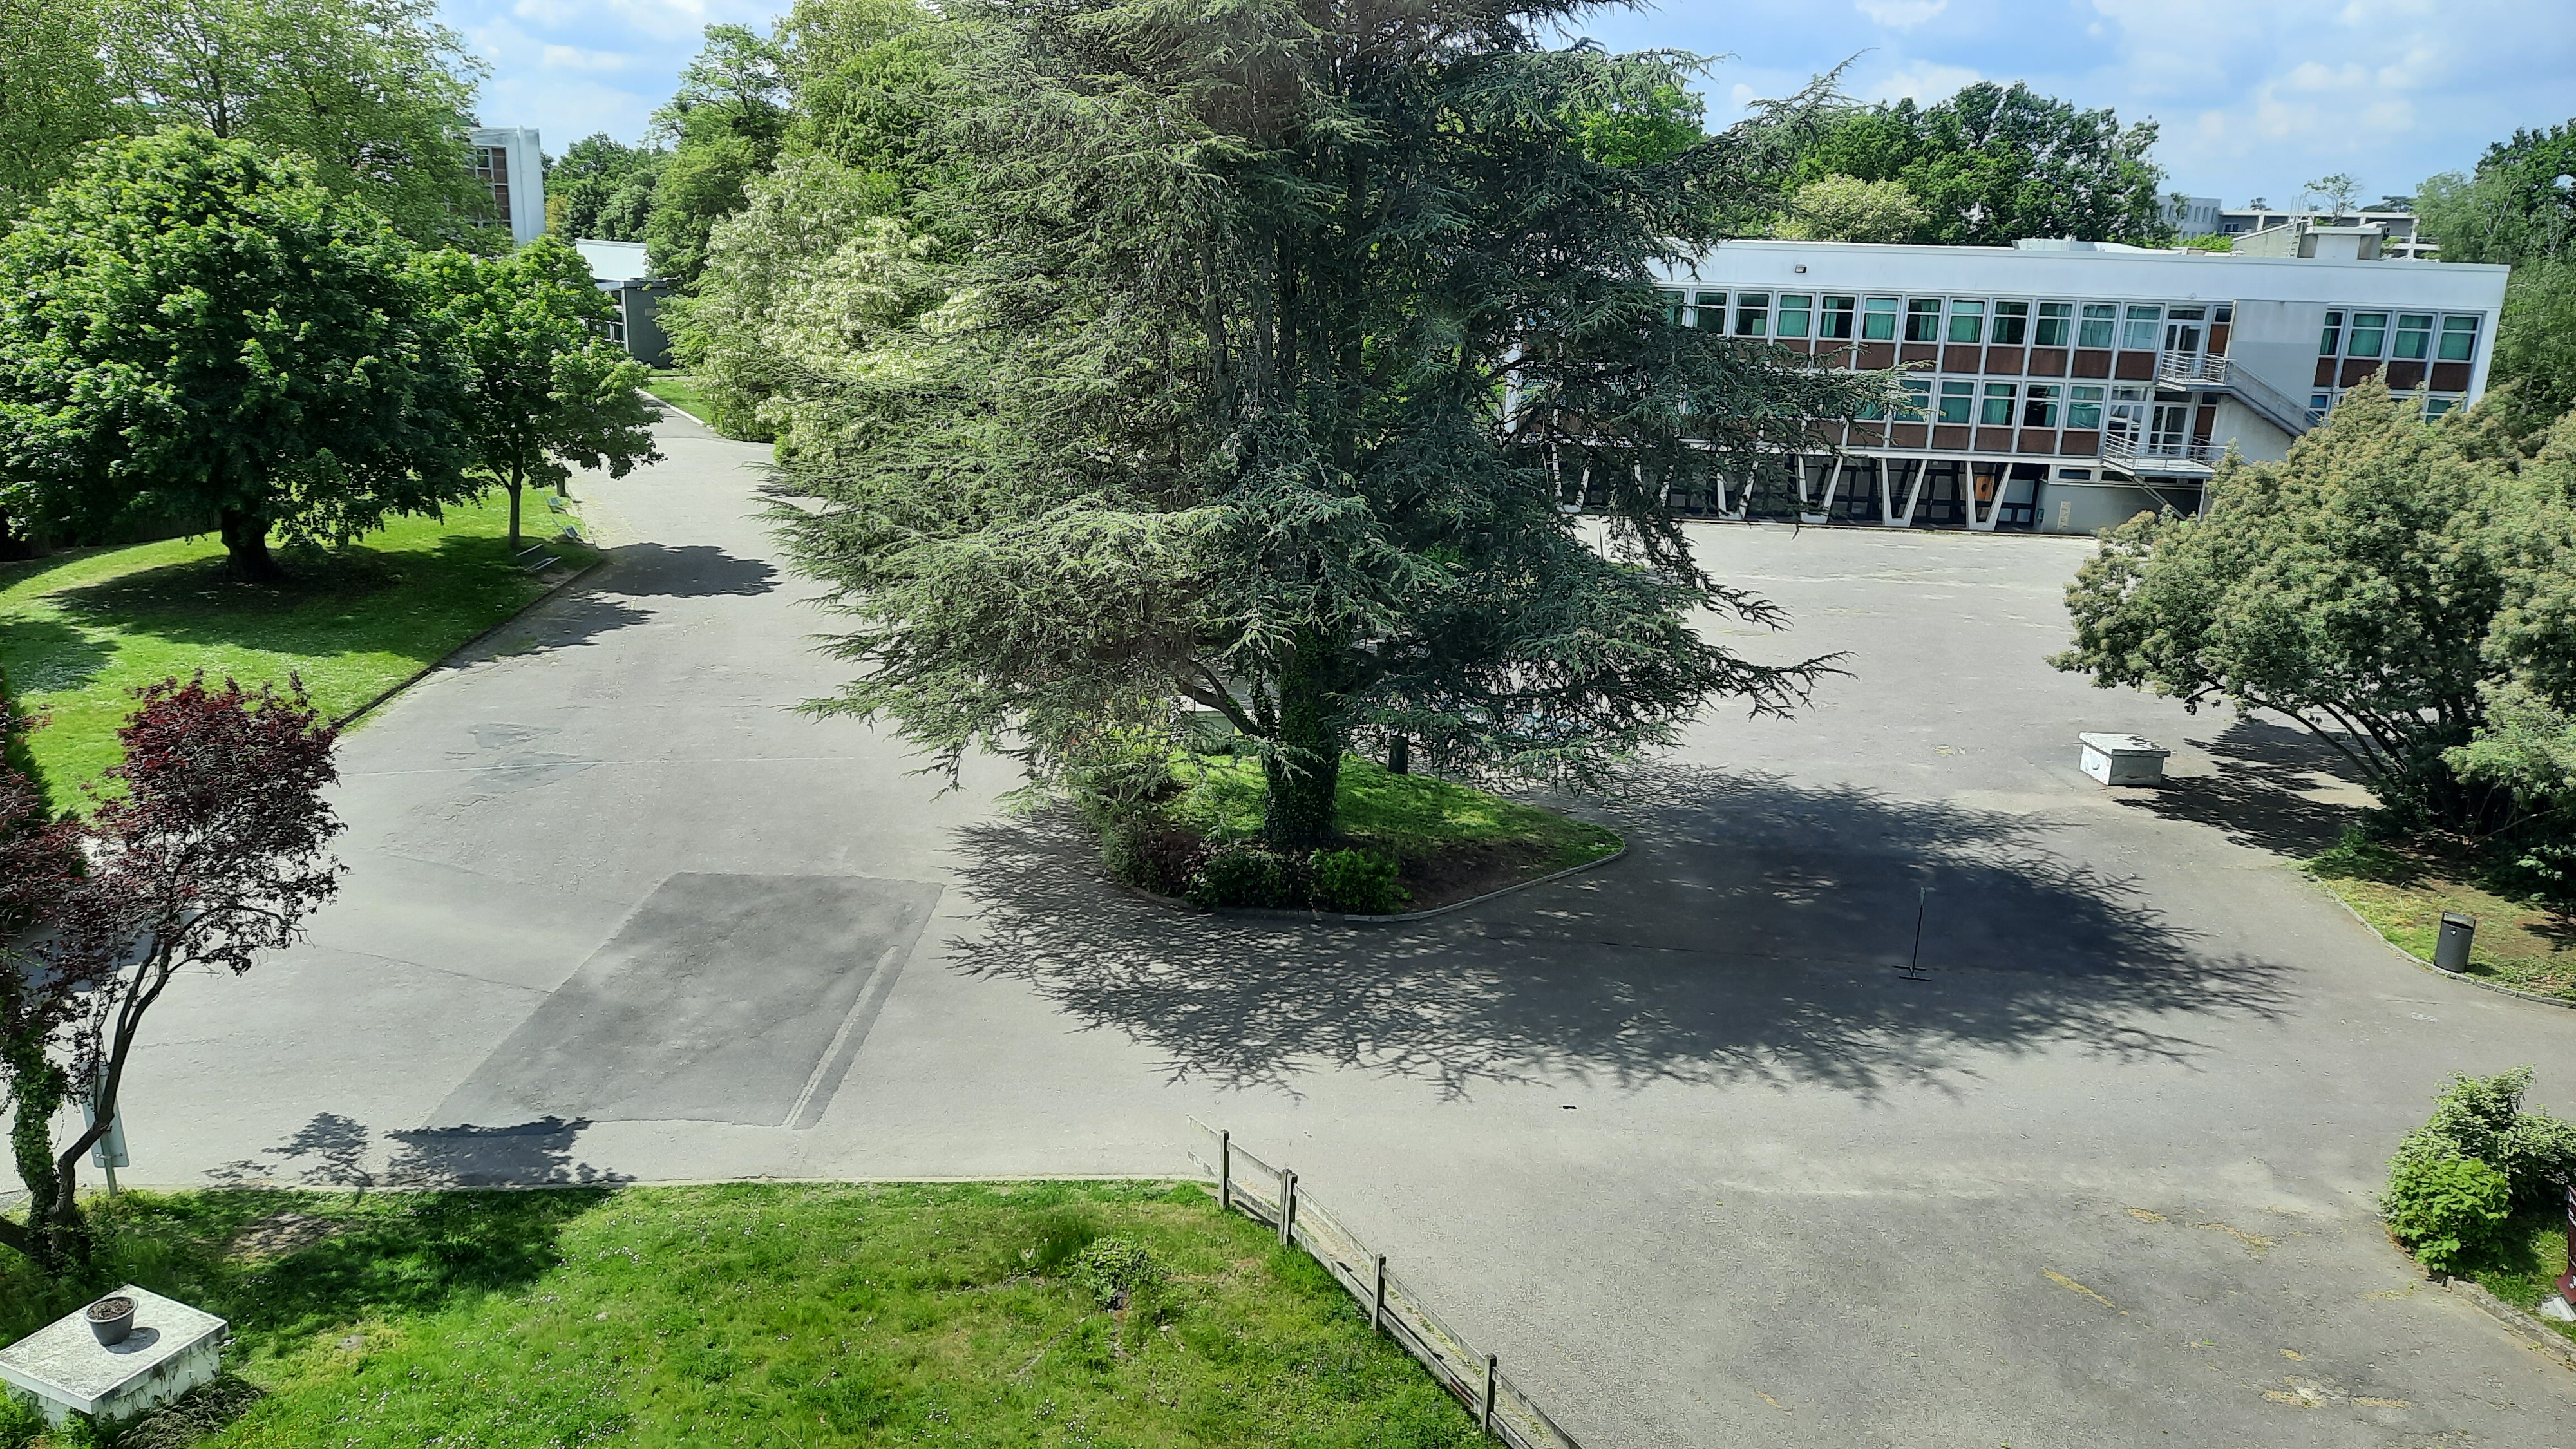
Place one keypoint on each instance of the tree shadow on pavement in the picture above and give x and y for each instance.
(1757, 931)
(2264, 794)
(691, 571)
(339, 1152)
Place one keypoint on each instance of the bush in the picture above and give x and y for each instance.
(2482, 1118)
(2446, 1209)
(1116, 1271)
(20, 1420)
(1358, 881)
(1250, 875)
(1152, 855)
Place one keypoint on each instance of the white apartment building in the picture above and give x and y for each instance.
(506, 159)
(2064, 386)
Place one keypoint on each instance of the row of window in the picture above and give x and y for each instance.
(2368, 336)
(1790, 316)
(2323, 400)
(2023, 404)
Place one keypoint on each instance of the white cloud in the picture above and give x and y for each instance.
(1900, 14)
(1922, 81)
(573, 57)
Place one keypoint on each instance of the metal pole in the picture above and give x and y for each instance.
(1224, 1171)
(1377, 1300)
(1287, 1205)
(1486, 1423)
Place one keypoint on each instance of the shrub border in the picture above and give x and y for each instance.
(2428, 967)
(1278, 913)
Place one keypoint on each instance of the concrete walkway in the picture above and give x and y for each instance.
(1678, 1139)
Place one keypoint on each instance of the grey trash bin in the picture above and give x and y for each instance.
(2451, 952)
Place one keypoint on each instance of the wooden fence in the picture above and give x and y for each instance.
(1271, 1195)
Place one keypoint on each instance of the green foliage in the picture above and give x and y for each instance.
(2484, 1118)
(20, 1420)
(1992, 165)
(2376, 586)
(602, 189)
(877, 82)
(54, 95)
(1212, 413)
(1847, 209)
(1242, 875)
(1116, 1271)
(728, 120)
(2516, 209)
(2445, 1209)
(545, 388)
(194, 327)
(2211, 242)
(1361, 882)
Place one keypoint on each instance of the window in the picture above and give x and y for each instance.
(2459, 338)
(2012, 323)
(2226, 313)
(1878, 322)
(1923, 319)
(1712, 312)
(2414, 334)
(1752, 313)
(1998, 409)
(1672, 307)
(2434, 407)
(2053, 323)
(2039, 405)
(2084, 406)
(2369, 334)
(1918, 398)
(2319, 404)
(2331, 342)
(1795, 307)
(1967, 321)
(2141, 331)
(2098, 320)
(1837, 321)
(1957, 399)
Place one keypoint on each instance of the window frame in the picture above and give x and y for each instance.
(2087, 398)
(1965, 394)
(2039, 401)
(2421, 336)
(2361, 328)
(1926, 311)
(2141, 319)
(1871, 329)
(2005, 393)
(2468, 336)
(2107, 314)
(1827, 314)
(1707, 319)
(1753, 308)
(1781, 312)
(2011, 318)
(2063, 317)
(2330, 341)
(1967, 327)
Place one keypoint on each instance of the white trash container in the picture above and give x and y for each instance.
(2123, 759)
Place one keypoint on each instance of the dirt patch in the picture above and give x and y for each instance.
(1466, 871)
(279, 1234)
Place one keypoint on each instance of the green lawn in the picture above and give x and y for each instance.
(79, 631)
(756, 1315)
(2533, 1254)
(681, 391)
(2403, 894)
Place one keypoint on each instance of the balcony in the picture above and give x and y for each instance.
(2158, 455)
(2211, 370)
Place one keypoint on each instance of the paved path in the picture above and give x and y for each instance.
(1675, 1138)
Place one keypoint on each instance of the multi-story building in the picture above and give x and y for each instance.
(2193, 215)
(2397, 225)
(620, 269)
(506, 159)
(2062, 386)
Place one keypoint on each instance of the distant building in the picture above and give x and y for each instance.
(621, 271)
(2397, 224)
(506, 160)
(2191, 215)
(2063, 386)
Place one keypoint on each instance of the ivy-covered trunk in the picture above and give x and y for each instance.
(1306, 769)
(52, 1239)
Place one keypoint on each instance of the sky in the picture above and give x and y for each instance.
(2253, 98)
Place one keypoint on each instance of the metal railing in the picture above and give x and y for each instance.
(1268, 1194)
(2126, 448)
(2211, 369)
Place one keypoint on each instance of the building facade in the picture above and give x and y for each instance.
(2193, 215)
(2397, 225)
(507, 161)
(620, 269)
(2059, 386)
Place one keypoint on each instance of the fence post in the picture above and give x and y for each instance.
(1287, 1205)
(1377, 1300)
(1486, 1423)
(1224, 1171)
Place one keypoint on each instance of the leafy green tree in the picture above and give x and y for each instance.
(376, 92)
(2360, 587)
(1992, 165)
(1847, 209)
(600, 188)
(54, 96)
(2519, 208)
(728, 119)
(193, 327)
(875, 82)
(1282, 330)
(545, 387)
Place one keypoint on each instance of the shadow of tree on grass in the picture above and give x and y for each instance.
(1758, 931)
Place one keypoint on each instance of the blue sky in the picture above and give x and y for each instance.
(2254, 97)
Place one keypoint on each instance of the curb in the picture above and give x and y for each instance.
(1275, 913)
(661, 401)
(2420, 963)
(442, 661)
(2541, 1335)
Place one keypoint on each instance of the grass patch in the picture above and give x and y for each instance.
(2524, 1269)
(803, 1315)
(1453, 841)
(79, 631)
(681, 391)
(2403, 891)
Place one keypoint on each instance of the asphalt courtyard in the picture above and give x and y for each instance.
(1683, 1139)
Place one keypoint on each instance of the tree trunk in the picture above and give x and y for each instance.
(50, 1238)
(514, 513)
(1307, 769)
(246, 544)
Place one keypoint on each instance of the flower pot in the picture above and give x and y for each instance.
(111, 1319)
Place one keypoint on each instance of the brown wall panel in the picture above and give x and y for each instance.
(2218, 338)
(2079, 445)
(1994, 440)
(2450, 377)
(2092, 362)
(2048, 362)
(2325, 372)
(2003, 359)
(2038, 440)
(1877, 355)
(1918, 352)
(1950, 439)
(1958, 359)
(2405, 376)
(2135, 366)
(1908, 435)
(2204, 423)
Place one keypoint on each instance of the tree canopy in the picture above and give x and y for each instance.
(601, 188)
(1279, 335)
(193, 327)
(1993, 164)
(726, 122)
(2519, 208)
(54, 95)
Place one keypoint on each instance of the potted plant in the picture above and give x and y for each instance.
(112, 1319)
